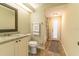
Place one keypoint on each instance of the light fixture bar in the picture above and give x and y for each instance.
(24, 7)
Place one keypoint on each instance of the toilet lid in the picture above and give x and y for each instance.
(33, 42)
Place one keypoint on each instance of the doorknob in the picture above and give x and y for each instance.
(16, 41)
(19, 40)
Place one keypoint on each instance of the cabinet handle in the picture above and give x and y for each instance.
(19, 40)
(16, 41)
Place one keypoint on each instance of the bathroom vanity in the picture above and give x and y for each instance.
(14, 45)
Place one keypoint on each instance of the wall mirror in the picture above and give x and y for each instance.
(8, 18)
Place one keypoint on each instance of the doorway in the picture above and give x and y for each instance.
(54, 29)
(54, 26)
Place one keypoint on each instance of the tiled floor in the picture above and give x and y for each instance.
(53, 48)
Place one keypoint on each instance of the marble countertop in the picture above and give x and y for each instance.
(12, 37)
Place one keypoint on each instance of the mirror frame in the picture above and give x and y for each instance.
(16, 19)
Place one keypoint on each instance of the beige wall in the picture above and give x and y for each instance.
(24, 22)
(39, 15)
(70, 28)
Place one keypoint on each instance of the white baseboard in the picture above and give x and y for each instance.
(64, 49)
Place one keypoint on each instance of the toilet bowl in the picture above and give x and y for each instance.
(33, 47)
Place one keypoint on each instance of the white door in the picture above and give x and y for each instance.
(55, 27)
(7, 49)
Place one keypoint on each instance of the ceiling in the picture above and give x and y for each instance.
(33, 6)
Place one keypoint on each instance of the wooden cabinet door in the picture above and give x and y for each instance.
(21, 47)
(7, 49)
(16, 48)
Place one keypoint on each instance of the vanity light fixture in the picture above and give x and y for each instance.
(24, 7)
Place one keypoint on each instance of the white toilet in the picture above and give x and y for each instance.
(33, 47)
